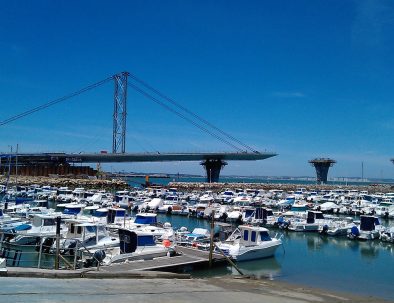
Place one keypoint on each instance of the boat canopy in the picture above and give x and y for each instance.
(144, 219)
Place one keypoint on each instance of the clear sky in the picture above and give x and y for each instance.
(304, 79)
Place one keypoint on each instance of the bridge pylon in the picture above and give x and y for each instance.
(322, 165)
(213, 168)
(120, 113)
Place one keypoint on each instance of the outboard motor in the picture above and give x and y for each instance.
(97, 258)
(324, 230)
(354, 232)
(99, 255)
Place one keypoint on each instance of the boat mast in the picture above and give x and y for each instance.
(16, 165)
(9, 170)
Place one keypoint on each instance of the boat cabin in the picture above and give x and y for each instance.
(130, 240)
(116, 215)
(252, 235)
(312, 216)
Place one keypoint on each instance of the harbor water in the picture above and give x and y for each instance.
(334, 263)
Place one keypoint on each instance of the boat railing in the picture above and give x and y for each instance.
(31, 255)
(41, 253)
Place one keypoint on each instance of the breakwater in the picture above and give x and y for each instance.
(109, 185)
(219, 187)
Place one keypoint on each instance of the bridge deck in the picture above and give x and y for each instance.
(133, 157)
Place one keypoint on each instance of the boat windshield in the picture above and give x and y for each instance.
(264, 236)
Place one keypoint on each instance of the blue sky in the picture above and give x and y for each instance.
(304, 79)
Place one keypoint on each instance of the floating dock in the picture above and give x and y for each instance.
(186, 260)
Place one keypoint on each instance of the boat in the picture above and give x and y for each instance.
(86, 235)
(312, 223)
(42, 226)
(249, 243)
(387, 235)
(147, 222)
(337, 227)
(368, 229)
(136, 245)
(198, 238)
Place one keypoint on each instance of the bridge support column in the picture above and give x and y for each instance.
(213, 168)
(120, 113)
(322, 165)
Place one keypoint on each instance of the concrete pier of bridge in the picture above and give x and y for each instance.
(40, 164)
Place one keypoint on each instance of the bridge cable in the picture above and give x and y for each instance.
(149, 96)
(53, 102)
(172, 101)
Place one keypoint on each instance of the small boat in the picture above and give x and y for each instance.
(369, 229)
(387, 235)
(312, 223)
(337, 227)
(42, 226)
(136, 245)
(197, 238)
(249, 243)
(86, 235)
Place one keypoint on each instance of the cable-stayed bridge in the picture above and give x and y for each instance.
(46, 163)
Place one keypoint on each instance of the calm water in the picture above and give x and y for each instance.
(318, 261)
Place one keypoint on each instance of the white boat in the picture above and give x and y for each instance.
(250, 243)
(150, 205)
(369, 229)
(387, 235)
(337, 227)
(147, 222)
(312, 223)
(86, 235)
(197, 238)
(136, 245)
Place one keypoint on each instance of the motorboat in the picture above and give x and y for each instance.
(196, 238)
(387, 235)
(249, 243)
(136, 245)
(337, 227)
(42, 226)
(368, 229)
(147, 222)
(312, 223)
(86, 235)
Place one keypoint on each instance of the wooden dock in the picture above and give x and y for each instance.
(188, 258)
(165, 267)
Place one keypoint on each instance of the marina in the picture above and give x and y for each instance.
(310, 257)
(197, 151)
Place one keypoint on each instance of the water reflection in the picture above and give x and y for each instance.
(316, 242)
(265, 268)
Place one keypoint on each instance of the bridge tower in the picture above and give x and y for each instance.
(213, 168)
(322, 165)
(120, 113)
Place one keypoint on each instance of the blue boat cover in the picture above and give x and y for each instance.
(71, 211)
(22, 227)
(145, 220)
